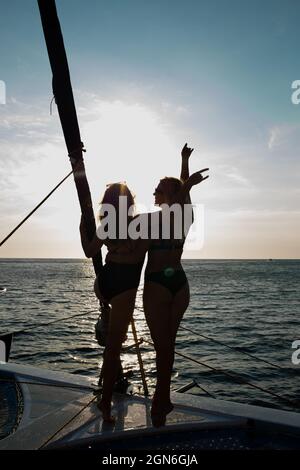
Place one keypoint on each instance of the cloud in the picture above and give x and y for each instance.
(236, 176)
(178, 110)
(123, 141)
(282, 135)
(265, 214)
(21, 121)
(132, 140)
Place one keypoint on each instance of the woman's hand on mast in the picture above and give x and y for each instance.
(90, 247)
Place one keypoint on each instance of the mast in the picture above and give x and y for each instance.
(63, 94)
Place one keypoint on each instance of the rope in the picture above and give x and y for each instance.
(39, 205)
(41, 325)
(51, 105)
(204, 390)
(233, 348)
(234, 377)
(67, 423)
(137, 343)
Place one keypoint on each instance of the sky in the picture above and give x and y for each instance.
(147, 77)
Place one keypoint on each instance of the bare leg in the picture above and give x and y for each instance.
(120, 316)
(163, 314)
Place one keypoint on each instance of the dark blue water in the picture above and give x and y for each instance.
(254, 305)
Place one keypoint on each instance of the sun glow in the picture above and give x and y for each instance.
(124, 141)
(128, 142)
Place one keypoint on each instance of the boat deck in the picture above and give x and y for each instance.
(56, 415)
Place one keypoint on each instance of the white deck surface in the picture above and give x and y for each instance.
(48, 409)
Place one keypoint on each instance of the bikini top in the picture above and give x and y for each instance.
(169, 244)
(132, 252)
(120, 246)
(166, 244)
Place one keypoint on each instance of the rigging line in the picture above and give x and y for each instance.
(234, 377)
(39, 205)
(81, 388)
(240, 350)
(204, 390)
(51, 105)
(41, 325)
(67, 423)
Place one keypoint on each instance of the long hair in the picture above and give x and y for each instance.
(112, 197)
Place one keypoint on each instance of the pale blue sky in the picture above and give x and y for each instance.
(147, 77)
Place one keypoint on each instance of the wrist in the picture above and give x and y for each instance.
(190, 182)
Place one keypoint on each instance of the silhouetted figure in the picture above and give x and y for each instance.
(166, 289)
(116, 285)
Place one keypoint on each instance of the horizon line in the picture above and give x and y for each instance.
(185, 259)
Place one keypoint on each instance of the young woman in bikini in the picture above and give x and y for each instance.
(116, 285)
(166, 289)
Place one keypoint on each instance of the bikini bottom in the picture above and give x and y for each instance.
(171, 279)
(116, 278)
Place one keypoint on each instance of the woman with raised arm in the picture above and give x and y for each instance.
(118, 281)
(166, 289)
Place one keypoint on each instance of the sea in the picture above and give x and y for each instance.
(235, 341)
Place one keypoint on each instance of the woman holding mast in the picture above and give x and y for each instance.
(116, 284)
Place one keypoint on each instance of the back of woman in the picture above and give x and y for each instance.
(118, 280)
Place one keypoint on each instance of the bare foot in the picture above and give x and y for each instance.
(159, 413)
(158, 408)
(106, 412)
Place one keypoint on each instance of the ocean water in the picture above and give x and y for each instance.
(249, 304)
